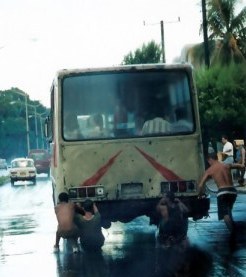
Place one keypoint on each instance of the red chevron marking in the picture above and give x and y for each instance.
(164, 171)
(98, 175)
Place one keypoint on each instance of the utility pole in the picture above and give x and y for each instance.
(36, 123)
(162, 36)
(42, 132)
(162, 42)
(41, 128)
(36, 127)
(27, 124)
(205, 33)
(27, 121)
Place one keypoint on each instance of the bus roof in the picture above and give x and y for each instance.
(132, 67)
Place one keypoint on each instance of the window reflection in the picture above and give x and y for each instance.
(122, 105)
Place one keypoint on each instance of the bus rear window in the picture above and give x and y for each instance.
(126, 104)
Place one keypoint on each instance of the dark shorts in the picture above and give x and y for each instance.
(95, 243)
(74, 233)
(226, 198)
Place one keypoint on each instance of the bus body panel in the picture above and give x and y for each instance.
(125, 162)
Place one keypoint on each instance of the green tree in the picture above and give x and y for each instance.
(13, 123)
(222, 98)
(150, 53)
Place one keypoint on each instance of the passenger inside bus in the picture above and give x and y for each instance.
(158, 124)
(120, 119)
(95, 126)
(71, 127)
(182, 122)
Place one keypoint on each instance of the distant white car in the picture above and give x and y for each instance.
(22, 169)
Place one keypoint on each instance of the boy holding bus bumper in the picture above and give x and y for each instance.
(65, 212)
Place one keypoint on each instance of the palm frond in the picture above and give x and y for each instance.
(239, 21)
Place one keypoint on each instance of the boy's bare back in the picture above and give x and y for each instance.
(65, 215)
(221, 173)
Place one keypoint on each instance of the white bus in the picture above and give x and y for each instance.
(125, 135)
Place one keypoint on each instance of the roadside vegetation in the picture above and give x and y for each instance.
(3, 180)
(222, 98)
(13, 131)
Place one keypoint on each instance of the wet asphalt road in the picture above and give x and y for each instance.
(27, 233)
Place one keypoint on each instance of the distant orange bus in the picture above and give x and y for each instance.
(123, 136)
(41, 159)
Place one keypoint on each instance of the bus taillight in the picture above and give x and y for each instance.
(174, 186)
(182, 186)
(87, 191)
(191, 186)
(178, 186)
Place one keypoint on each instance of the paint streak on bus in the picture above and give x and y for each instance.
(96, 177)
(165, 172)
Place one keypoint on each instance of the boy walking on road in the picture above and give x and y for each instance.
(227, 194)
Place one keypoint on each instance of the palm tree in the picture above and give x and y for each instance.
(227, 35)
(227, 29)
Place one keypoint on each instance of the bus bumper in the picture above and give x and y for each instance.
(127, 210)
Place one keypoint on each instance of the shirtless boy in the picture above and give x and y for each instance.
(227, 194)
(66, 228)
(173, 225)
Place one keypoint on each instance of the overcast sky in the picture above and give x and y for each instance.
(39, 37)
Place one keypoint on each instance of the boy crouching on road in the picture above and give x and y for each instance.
(66, 228)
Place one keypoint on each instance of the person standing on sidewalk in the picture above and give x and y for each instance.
(227, 194)
(227, 150)
(240, 158)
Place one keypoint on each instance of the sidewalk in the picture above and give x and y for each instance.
(212, 188)
(240, 189)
